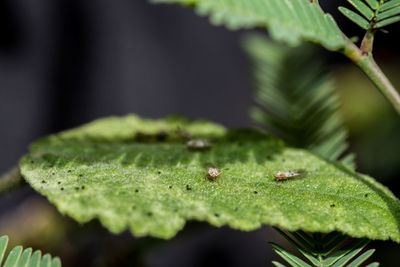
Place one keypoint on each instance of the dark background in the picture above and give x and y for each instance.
(64, 63)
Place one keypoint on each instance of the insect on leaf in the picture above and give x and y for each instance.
(101, 171)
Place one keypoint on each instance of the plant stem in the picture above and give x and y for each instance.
(367, 64)
(10, 180)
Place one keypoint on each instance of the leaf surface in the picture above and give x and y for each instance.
(153, 186)
(287, 20)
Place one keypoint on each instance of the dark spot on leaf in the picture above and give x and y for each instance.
(80, 175)
(83, 187)
(137, 190)
(170, 186)
(31, 161)
(269, 157)
(62, 188)
(76, 188)
(43, 181)
(69, 171)
(255, 192)
(188, 187)
(149, 214)
(159, 172)
(53, 173)
(332, 205)
(366, 195)
(58, 182)
(216, 215)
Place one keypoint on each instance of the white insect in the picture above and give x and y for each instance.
(280, 176)
(198, 144)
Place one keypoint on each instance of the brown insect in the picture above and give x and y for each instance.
(212, 174)
(199, 144)
(281, 176)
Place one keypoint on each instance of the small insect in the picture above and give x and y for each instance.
(199, 144)
(212, 174)
(280, 176)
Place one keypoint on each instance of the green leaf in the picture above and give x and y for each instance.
(374, 4)
(18, 257)
(388, 21)
(351, 254)
(13, 257)
(390, 4)
(277, 264)
(295, 97)
(360, 259)
(35, 260)
(346, 253)
(3, 247)
(362, 8)
(153, 187)
(354, 17)
(289, 257)
(287, 20)
(388, 13)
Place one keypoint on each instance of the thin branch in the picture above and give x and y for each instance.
(10, 180)
(367, 64)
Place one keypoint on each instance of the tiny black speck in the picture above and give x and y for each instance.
(76, 188)
(62, 188)
(366, 195)
(149, 214)
(83, 187)
(170, 186)
(159, 172)
(69, 171)
(216, 215)
(137, 190)
(31, 161)
(53, 173)
(332, 205)
(43, 181)
(80, 175)
(188, 187)
(58, 182)
(255, 192)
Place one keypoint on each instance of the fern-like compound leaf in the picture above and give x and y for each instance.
(295, 98)
(289, 257)
(287, 20)
(377, 14)
(18, 257)
(345, 253)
